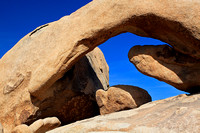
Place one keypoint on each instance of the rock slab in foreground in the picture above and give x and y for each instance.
(180, 114)
(166, 64)
(121, 97)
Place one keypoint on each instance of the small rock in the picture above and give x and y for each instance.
(41, 126)
(22, 129)
(121, 97)
(36, 125)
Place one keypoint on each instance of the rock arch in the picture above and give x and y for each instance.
(51, 50)
(73, 36)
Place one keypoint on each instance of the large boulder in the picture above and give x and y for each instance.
(73, 92)
(180, 114)
(40, 59)
(166, 64)
(121, 97)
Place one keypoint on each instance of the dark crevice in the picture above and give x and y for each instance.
(37, 29)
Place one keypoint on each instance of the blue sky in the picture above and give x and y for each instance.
(19, 17)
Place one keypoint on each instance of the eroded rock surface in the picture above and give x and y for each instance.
(180, 114)
(121, 97)
(166, 64)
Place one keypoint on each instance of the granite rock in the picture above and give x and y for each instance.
(121, 97)
(166, 64)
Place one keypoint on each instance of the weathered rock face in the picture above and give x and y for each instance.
(75, 91)
(164, 63)
(121, 97)
(180, 114)
(52, 49)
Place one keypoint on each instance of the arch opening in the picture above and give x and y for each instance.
(122, 71)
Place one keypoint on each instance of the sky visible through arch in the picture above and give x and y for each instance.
(19, 17)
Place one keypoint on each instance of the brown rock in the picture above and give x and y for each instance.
(164, 63)
(180, 114)
(52, 49)
(121, 97)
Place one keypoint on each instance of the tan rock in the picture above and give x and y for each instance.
(1, 128)
(44, 56)
(100, 67)
(164, 63)
(39, 126)
(42, 126)
(22, 129)
(51, 123)
(121, 97)
(180, 114)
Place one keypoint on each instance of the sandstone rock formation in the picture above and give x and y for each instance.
(121, 97)
(75, 91)
(52, 49)
(180, 114)
(40, 126)
(164, 63)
